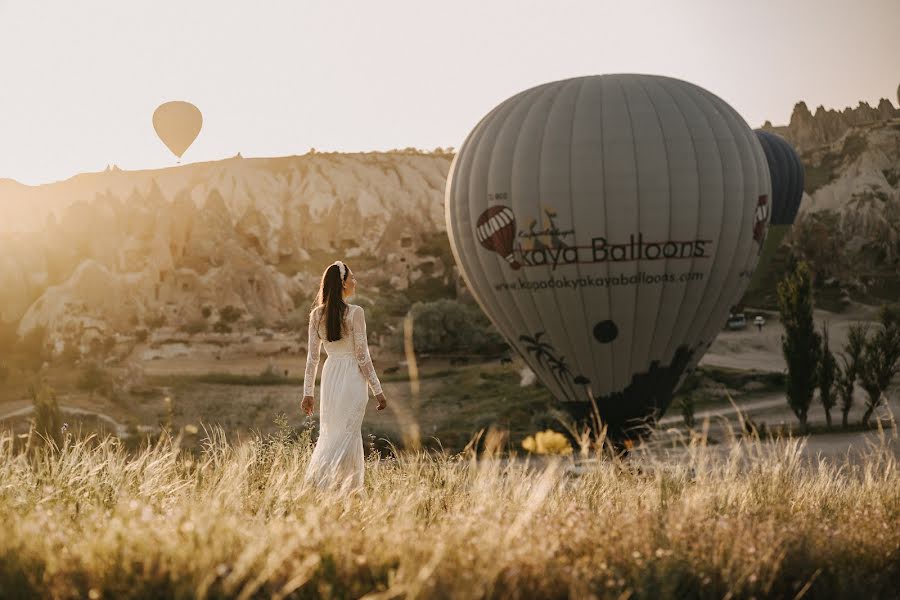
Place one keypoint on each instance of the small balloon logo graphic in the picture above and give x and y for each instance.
(496, 231)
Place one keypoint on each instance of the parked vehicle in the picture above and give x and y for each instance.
(736, 321)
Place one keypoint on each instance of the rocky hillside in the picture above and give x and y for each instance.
(848, 226)
(808, 131)
(114, 252)
(109, 255)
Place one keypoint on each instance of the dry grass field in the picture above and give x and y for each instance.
(753, 519)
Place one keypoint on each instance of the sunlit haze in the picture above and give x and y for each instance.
(80, 80)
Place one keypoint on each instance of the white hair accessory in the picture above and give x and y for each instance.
(342, 269)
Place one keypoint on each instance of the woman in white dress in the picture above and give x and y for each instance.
(337, 459)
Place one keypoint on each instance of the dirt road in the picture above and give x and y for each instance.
(119, 429)
(752, 349)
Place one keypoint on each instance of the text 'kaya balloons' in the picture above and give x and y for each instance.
(647, 200)
(786, 173)
(177, 124)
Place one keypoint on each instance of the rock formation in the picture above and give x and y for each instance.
(110, 252)
(807, 130)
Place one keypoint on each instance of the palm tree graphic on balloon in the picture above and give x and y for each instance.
(545, 354)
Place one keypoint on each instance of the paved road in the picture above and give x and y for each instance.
(765, 403)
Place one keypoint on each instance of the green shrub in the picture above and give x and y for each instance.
(47, 416)
(221, 327)
(157, 321)
(194, 327)
(448, 326)
(95, 378)
(230, 314)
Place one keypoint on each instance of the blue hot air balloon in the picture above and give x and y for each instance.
(786, 172)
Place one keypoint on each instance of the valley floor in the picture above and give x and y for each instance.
(243, 386)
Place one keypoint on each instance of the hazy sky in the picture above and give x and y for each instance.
(79, 79)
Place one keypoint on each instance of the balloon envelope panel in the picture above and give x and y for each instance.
(626, 212)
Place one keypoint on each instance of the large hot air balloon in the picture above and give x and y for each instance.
(648, 199)
(177, 124)
(786, 172)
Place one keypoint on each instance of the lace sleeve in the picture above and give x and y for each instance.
(361, 350)
(313, 348)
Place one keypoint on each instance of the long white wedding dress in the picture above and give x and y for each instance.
(337, 459)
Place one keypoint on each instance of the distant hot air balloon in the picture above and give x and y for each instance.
(177, 124)
(786, 172)
(657, 194)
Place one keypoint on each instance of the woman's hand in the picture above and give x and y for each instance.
(382, 401)
(306, 405)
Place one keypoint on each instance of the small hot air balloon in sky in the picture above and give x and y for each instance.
(177, 124)
(657, 198)
(786, 173)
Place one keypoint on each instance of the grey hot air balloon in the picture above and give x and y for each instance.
(786, 172)
(648, 199)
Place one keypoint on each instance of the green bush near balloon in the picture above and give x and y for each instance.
(449, 326)
(606, 225)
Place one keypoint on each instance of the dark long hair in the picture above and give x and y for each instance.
(331, 296)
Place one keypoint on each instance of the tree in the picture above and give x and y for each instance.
(230, 314)
(94, 378)
(687, 410)
(800, 343)
(880, 360)
(826, 376)
(220, 327)
(848, 373)
(32, 350)
(448, 326)
(194, 327)
(157, 321)
(47, 416)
